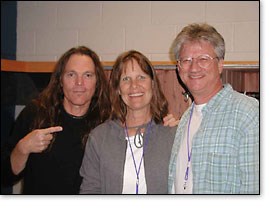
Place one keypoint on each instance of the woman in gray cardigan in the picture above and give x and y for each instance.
(130, 153)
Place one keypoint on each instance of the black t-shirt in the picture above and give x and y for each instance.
(55, 171)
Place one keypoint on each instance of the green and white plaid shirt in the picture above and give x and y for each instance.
(225, 149)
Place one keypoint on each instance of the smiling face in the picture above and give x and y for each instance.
(135, 88)
(203, 83)
(79, 84)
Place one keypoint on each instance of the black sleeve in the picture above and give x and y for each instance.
(20, 129)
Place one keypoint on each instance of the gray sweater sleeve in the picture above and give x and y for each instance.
(90, 169)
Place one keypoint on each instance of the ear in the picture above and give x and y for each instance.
(178, 69)
(220, 66)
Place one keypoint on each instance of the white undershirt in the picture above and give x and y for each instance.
(182, 157)
(130, 177)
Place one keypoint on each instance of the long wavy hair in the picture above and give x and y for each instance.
(158, 103)
(50, 100)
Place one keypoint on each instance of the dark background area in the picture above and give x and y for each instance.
(16, 88)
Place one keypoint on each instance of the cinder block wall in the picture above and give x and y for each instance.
(45, 30)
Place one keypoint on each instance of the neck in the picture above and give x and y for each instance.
(75, 110)
(204, 98)
(136, 119)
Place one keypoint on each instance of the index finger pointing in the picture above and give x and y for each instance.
(53, 129)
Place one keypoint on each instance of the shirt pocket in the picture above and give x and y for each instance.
(220, 172)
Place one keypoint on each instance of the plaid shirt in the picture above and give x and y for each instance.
(225, 149)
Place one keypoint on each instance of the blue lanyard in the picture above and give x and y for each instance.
(144, 149)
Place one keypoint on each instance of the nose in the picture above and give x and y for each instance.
(133, 83)
(194, 66)
(79, 81)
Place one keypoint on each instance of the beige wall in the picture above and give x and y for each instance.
(45, 30)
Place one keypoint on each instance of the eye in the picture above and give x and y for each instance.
(186, 60)
(141, 77)
(203, 58)
(70, 74)
(125, 78)
(89, 75)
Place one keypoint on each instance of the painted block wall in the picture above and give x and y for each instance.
(45, 30)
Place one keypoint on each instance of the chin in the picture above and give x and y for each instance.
(80, 103)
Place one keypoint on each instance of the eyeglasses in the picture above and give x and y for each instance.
(203, 61)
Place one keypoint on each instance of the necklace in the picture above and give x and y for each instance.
(137, 170)
(189, 152)
(75, 117)
(138, 142)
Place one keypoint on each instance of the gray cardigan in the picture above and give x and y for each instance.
(105, 153)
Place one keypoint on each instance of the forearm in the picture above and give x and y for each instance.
(18, 159)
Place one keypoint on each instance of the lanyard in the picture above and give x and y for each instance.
(189, 152)
(144, 149)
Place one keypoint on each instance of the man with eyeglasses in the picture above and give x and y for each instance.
(216, 147)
